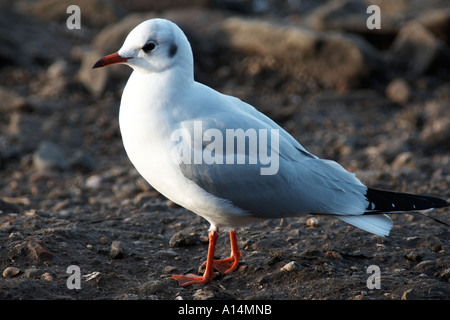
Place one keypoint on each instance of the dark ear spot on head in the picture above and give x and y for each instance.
(173, 50)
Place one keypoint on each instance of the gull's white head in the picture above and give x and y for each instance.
(153, 46)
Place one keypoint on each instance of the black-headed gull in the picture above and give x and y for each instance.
(222, 159)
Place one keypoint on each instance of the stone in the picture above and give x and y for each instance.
(33, 273)
(312, 222)
(10, 272)
(332, 59)
(117, 250)
(49, 157)
(202, 294)
(83, 162)
(398, 91)
(416, 49)
(11, 101)
(291, 266)
(23, 45)
(26, 129)
(409, 294)
(37, 251)
(180, 239)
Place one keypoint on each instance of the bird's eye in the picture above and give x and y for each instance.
(150, 46)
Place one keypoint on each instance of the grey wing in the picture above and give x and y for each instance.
(301, 183)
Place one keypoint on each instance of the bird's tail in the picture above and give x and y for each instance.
(381, 203)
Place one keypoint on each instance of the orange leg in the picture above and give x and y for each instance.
(230, 264)
(223, 266)
(186, 280)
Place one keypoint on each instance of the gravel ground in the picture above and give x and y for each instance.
(70, 197)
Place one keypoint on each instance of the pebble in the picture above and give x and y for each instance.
(93, 182)
(10, 272)
(409, 294)
(33, 273)
(154, 287)
(398, 91)
(202, 294)
(82, 162)
(47, 276)
(333, 255)
(291, 266)
(169, 269)
(103, 240)
(425, 265)
(445, 275)
(168, 253)
(117, 251)
(414, 256)
(15, 236)
(312, 222)
(37, 251)
(49, 157)
(180, 239)
(91, 276)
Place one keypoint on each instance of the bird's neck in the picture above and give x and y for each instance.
(161, 87)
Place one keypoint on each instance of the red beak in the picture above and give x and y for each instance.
(109, 59)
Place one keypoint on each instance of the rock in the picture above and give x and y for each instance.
(202, 294)
(31, 42)
(117, 250)
(155, 287)
(26, 129)
(409, 294)
(312, 222)
(37, 251)
(414, 256)
(10, 272)
(93, 182)
(33, 273)
(47, 277)
(425, 265)
(436, 133)
(180, 239)
(398, 91)
(104, 240)
(82, 162)
(91, 276)
(438, 22)
(291, 266)
(333, 255)
(333, 60)
(445, 275)
(416, 49)
(404, 160)
(7, 207)
(49, 157)
(11, 101)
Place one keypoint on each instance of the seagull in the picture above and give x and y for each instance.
(220, 158)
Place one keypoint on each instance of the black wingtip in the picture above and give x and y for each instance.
(387, 201)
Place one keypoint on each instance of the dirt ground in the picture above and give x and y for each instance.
(96, 212)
